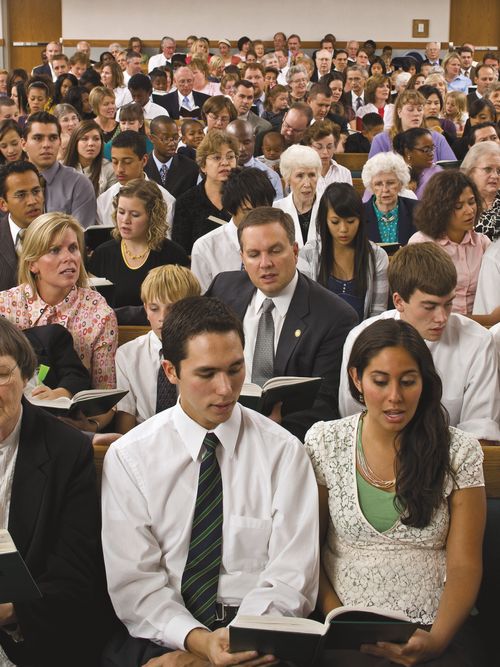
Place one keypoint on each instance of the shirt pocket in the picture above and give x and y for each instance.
(246, 543)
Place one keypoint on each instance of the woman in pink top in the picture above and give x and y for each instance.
(447, 215)
(53, 290)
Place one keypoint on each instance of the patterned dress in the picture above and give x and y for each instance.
(404, 567)
(84, 313)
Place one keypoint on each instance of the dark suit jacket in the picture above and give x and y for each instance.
(54, 347)
(8, 256)
(43, 69)
(54, 522)
(471, 97)
(406, 228)
(182, 175)
(170, 102)
(310, 342)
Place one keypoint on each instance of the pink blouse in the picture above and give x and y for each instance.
(84, 313)
(467, 257)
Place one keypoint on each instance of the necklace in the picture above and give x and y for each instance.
(130, 255)
(363, 466)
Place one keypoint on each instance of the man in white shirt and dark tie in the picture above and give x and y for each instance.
(209, 509)
(355, 80)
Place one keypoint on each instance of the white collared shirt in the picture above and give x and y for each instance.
(335, 174)
(14, 230)
(270, 529)
(190, 98)
(252, 317)
(466, 360)
(152, 110)
(137, 363)
(216, 252)
(488, 283)
(159, 164)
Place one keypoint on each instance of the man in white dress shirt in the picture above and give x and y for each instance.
(355, 79)
(219, 250)
(133, 66)
(128, 157)
(167, 51)
(141, 89)
(263, 516)
(423, 279)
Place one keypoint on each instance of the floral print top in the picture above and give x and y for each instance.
(84, 313)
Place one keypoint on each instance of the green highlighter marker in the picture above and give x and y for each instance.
(42, 373)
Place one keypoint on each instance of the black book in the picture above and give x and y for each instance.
(91, 402)
(302, 640)
(16, 582)
(297, 393)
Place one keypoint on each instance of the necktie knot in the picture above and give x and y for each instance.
(267, 305)
(211, 441)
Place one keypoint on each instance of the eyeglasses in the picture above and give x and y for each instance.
(291, 129)
(6, 374)
(490, 170)
(221, 119)
(23, 194)
(428, 150)
(166, 139)
(228, 157)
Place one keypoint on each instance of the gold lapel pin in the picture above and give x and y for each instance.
(297, 333)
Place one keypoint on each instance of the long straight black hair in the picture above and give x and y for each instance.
(423, 457)
(347, 203)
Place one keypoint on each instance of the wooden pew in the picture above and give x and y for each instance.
(128, 332)
(491, 467)
(353, 161)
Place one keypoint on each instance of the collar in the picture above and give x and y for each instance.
(192, 434)
(470, 238)
(14, 229)
(232, 231)
(50, 173)
(40, 307)
(282, 300)
(181, 98)
(12, 440)
(159, 164)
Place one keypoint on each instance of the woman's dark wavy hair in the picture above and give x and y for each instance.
(378, 60)
(423, 458)
(59, 82)
(347, 203)
(72, 159)
(438, 202)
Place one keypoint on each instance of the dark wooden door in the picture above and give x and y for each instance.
(35, 22)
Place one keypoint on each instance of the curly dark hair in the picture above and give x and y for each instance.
(441, 194)
(422, 458)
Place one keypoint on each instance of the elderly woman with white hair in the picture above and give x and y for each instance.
(388, 214)
(301, 168)
(297, 79)
(482, 165)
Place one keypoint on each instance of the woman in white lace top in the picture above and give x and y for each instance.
(402, 503)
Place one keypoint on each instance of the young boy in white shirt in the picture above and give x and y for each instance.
(138, 361)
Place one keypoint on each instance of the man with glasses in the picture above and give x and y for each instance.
(21, 201)
(183, 101)
(176, 173)
(295, 122)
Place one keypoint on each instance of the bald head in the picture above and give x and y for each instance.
(184, 80)
(242, 131)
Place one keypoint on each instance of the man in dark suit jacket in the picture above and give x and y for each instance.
(53, 519)
(51, 50)
(310, 323)
(183, 102)
(21, 201)
(181, 173)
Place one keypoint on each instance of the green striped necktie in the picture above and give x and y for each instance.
(200, 579)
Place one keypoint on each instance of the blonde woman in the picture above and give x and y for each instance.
(103, 103)
(53, 289)
(139, 242)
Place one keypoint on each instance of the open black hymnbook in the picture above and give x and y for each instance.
(297, 393)
(91, 402)
(16, 582)
(302, 640)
